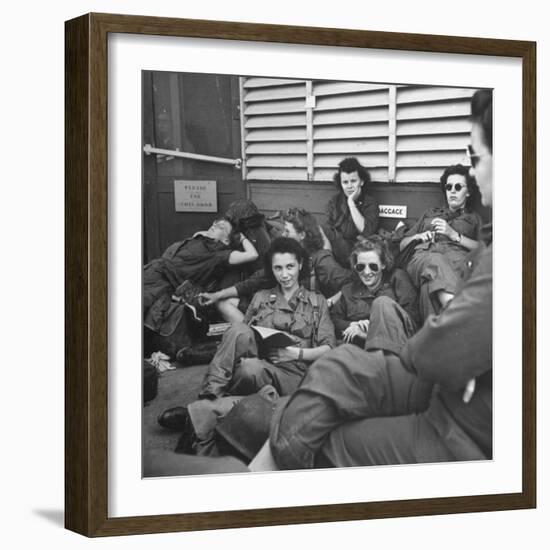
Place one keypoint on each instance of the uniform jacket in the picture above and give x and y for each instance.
(466, 223)
(356, 301)
(305, 315)
(341, 222)
(330, 275)
(201, 260)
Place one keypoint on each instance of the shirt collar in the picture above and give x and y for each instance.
(360, 290)
(276, 296)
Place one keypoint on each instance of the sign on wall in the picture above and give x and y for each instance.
(195, 196)
(392, 211)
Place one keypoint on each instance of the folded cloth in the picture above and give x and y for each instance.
(160, 361)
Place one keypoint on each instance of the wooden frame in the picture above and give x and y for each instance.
(86, 223)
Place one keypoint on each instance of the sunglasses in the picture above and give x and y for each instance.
(458, 187)
(375, 268)
(473, 156)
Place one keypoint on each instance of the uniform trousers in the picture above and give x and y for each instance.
(328, 412)
(390, 326)
(206, 414)
(236, 368)
(433, 271)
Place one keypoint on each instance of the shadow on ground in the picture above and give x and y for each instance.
(176, 388)
(57, 517)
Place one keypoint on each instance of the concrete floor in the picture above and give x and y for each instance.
(176, 388)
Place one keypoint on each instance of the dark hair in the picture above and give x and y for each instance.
(376, 244)
(304, 222)
(349, 165)
(461, 170)
(286, 245)
(482, 114)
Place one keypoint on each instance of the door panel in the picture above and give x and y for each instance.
(197, 113)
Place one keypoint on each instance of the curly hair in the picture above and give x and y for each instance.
(286, 245)
(464, 171)
(304, 222)
(482, 114)
(376, 244)
(349, 165)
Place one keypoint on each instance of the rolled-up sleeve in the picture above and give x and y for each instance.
(417, 227)
(257, 281)
(325, 330)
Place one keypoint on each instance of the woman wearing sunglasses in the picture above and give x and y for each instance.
(379, 309)
(442, 238)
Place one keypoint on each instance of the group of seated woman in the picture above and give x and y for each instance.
(336, 281)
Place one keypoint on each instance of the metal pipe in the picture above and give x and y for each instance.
(148, 149)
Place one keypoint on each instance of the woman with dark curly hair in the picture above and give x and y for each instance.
(237, 368)
(379, 309)
(442, 238)
(326, 275)
(351, 212)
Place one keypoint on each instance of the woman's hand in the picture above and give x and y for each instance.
(208, 298)
(281, 355)
(355, 195)
(441, 227)
(355, 329)
(426, 236)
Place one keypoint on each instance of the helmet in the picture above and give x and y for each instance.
(246, 427)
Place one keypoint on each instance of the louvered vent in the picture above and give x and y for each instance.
(299, 130)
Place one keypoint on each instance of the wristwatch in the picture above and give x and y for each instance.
(459, 238)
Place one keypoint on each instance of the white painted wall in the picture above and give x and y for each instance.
(32, 223)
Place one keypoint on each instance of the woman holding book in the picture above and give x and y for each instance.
(241, 366)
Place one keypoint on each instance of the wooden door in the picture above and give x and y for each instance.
(195, 113)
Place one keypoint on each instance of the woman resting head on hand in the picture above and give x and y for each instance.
(351, 212)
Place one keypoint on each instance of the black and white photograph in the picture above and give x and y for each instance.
(317, 274)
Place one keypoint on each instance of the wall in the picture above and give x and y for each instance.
(273, 196)
(32, 250)
(197, 114)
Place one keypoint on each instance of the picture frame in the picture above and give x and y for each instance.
(87, 274)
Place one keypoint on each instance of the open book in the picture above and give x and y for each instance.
(273, 338)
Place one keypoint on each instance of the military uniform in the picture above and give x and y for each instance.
(437, 265)
(237, 368)
(340, 228)
(330, 276)
(359, 408)
(392, 310)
